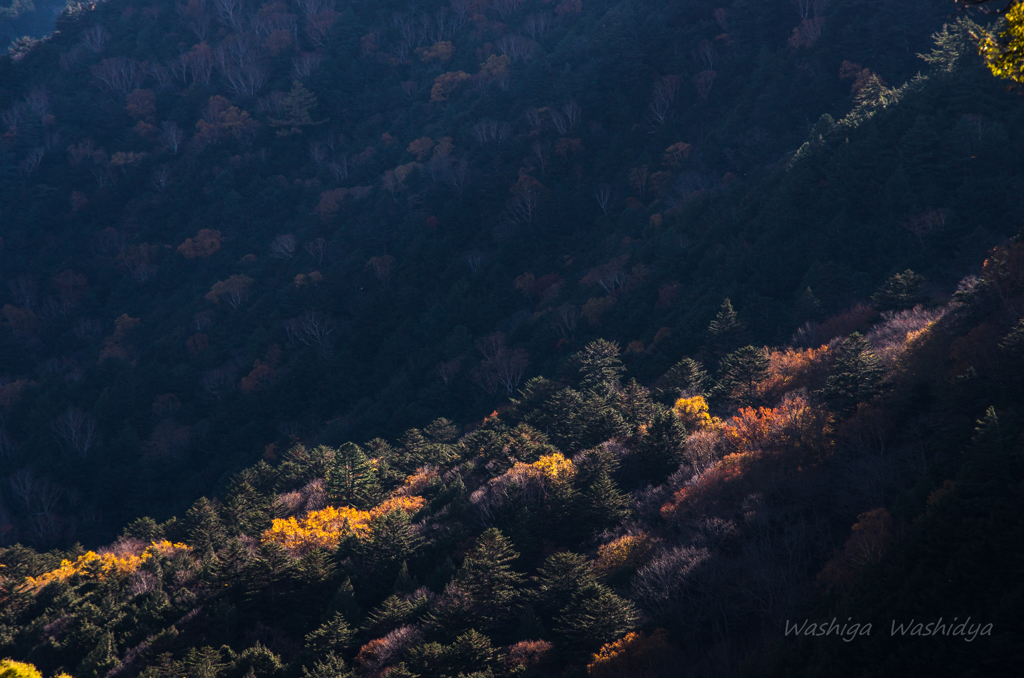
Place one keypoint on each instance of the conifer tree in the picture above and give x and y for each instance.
(297, 106)
(599, 366)
(334, 635)
(602, 503)
(900, 291)
(329, 665)
(686, 376)
(561, 576)
(740, 373)
(391, 543)
(204, 529)
(855, 377)
(726, 331)
(487, 577)
(351, 479)
(594, 616)
(661, 450)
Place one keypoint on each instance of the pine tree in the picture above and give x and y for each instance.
(599, 366)
(248, 511)
(593, 617)
(351, 479)
(900, 291)
(856, 375)
(725, 331)
(204, 529)
(602, 503)
(740, 373)
(661, 450)
(391, 543)
(487, 577)
(297, 106)
(686, 376)
(559, 578)
(334, 635)
(329, 665)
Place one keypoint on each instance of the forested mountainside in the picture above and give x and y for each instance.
(597, 527)
(199, 271)
(508, 338)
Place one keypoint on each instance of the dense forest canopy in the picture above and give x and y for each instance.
(509, 337)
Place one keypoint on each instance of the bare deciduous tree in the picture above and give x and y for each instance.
(76, 431)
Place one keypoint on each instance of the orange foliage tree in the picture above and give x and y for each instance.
(324, 529)
(872, 535)
(635, 655)
(105, 566)
(205, 243)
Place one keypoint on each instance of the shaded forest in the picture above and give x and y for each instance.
(506, 338)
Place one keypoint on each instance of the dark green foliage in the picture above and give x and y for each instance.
(601, 502)
(204, 529)
(261, 662)
(204, 662)
(559, 578)
(392, 542)
(577, 420)
(598, 366)
(636, 406)
(740, 373)
(489, 582)
(661, 449)
(595, 615)
(725, 332)
(329, 665)
(351, 479)
(247, 511)
(901, 291)
(392, 613)
(855, 377)
(1013, 343)
(686, 376)
(469, 653)
(334, 635)
(144, 529)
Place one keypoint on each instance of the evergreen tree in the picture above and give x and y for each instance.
(739, 375)
(686, 376)
(636, 407)
(598, 366)
(204, 528)
(594, 616)
(900, 291)
(391, 543)
(855, 377)
(334, 635)
(256, 661)
(726, 331)
(248, 511)
(329, 665)
(661, 449)
(297, 106)
(602, 503)
(559, 578)
(487, 578)
(807, 306)
(351, 479)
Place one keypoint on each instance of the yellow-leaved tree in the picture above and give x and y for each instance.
(1003, 49)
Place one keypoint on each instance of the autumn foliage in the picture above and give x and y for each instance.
(629, 551)
(324, 529)
(104, 566)
(205, 243)
(635, 655)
